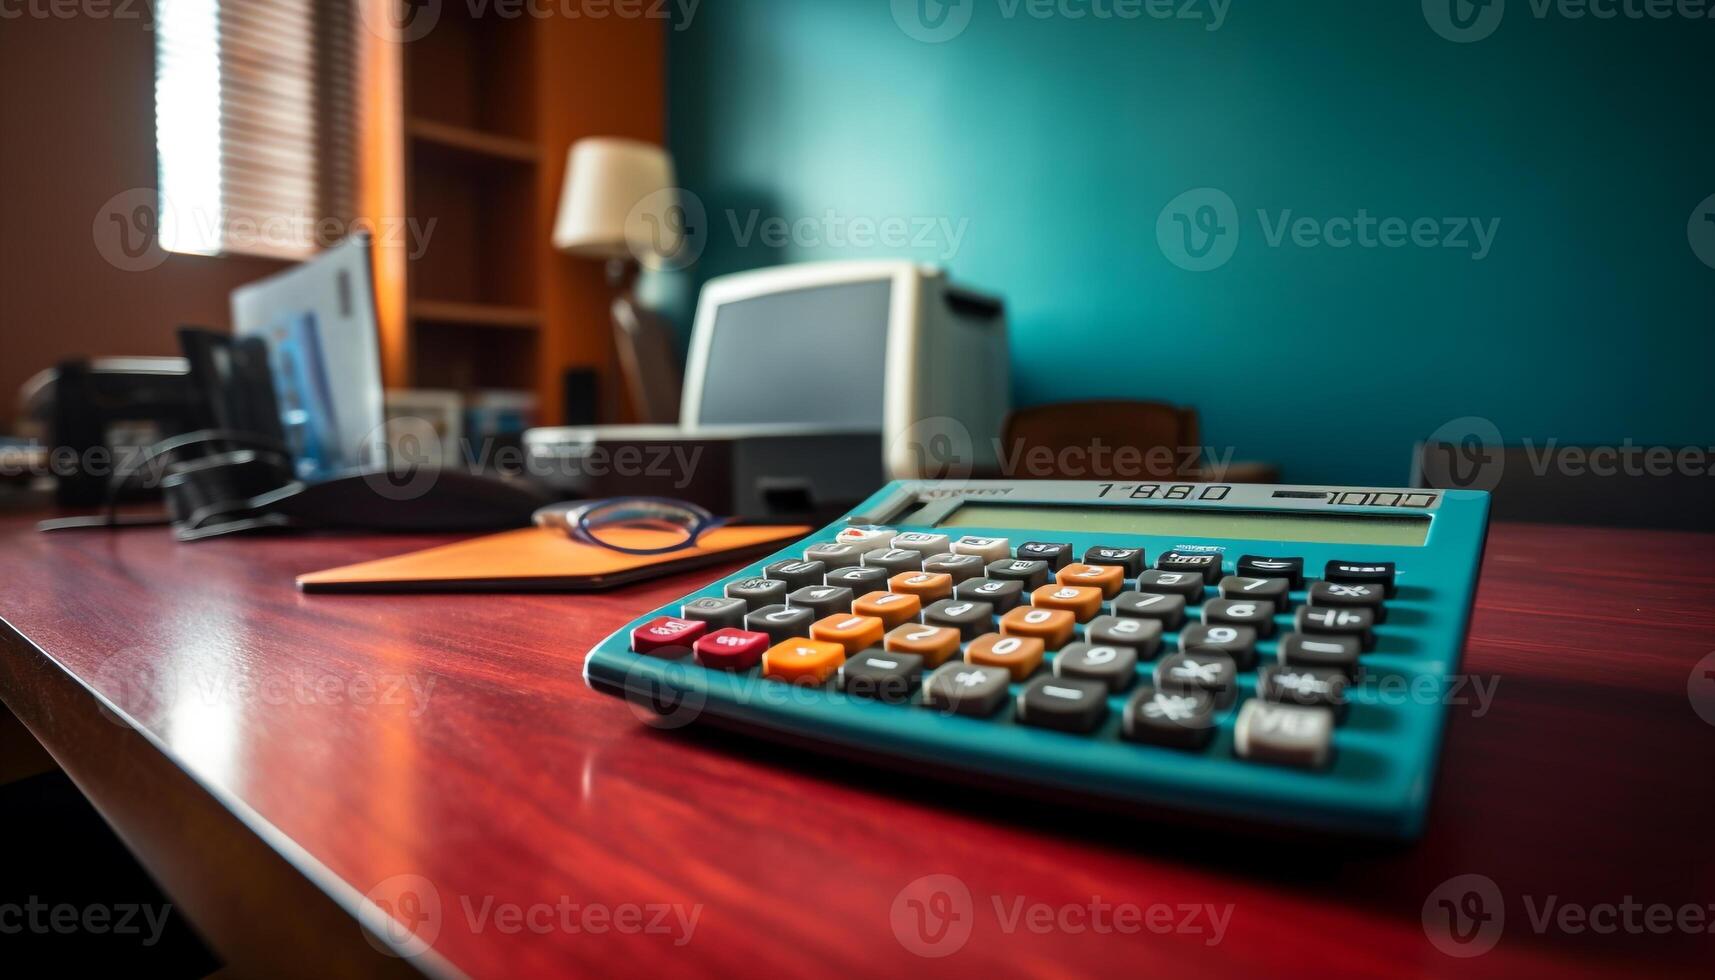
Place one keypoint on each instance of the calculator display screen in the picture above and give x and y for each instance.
(1186, 522)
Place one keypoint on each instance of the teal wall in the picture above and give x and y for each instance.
(1059, 142)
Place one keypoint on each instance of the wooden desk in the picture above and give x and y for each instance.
(280, 774)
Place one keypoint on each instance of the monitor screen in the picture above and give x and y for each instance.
(813, 356)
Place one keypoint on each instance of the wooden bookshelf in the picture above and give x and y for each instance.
(484, 109)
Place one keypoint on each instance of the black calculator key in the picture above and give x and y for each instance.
(1249, 587)
(1322, 652)
(1188, 584)
(1237, 642)
(1167, 609)
(1260, 566)
(972, 619)
(962, 568)
(895, 560)
(967, 689)
(1369, 572)
(1055, 553)
(834, 555)
(1143, 636)
(781, 623)
(1130, 559)
(1284, 734)
(718, 613)
(1313, 687)
(823, 600)
(1209, 671)
(1180, 719)
(1113, 666)
(1033, 573)
(1258, 614)
(1357, 623)
(1361, 595)
(758, 592)
(1205, 563)
(796, 574)
(859, 579)
(1000, 593)
(882, 675)
(1064, 704)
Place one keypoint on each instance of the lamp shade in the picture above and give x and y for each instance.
(615, 198)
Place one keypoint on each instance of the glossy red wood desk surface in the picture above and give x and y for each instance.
(451, 738)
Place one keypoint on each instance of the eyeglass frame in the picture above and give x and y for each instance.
(572, 518)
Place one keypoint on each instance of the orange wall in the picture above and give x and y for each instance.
(77, 128)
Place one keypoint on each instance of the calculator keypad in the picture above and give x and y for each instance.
(969, 627)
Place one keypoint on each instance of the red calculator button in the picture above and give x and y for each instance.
(667, 636)
(731, 649)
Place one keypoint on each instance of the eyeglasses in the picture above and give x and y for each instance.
(633, 525)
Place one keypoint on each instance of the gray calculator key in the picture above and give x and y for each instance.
(797, 574)
(966, 689)
(859, 579)
(1210, 671)
(1143, 636)
(1328, 652)
(1034, 574)
(1373, 572)
(1181, 719)
(1130, 559)
(1205, 563)
(1263, 566)
(895, 560)
(962, 568)
(882, 675)
(1002, 594)
(971, 619)
(1056, 553)
(718, 613)
(1258, 614)
(922, 542)
(1064, 704)
(1237, 642)
(834, 555)
(1247, 587)
(1168, 610)
(1350, 595)
(1188, 584)
(758, 592)
(1114, 666)
(1316, 687)
(1284, 734)
(781, 623)
(1355, 622)
(823, 600)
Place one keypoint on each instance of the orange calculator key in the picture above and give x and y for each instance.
(927, 586)
(935, 644)
(1081, 601)
(1019, 655)
(803, 661)
(1052, 626)
(855, 633)
(1109, 578)
(892, 608)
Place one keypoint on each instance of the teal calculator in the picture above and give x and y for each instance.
(1275, 654)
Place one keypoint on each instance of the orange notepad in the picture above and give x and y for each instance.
(538, 560)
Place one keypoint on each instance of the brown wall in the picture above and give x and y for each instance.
(77, 126)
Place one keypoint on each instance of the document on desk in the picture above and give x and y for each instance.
(538, 560)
